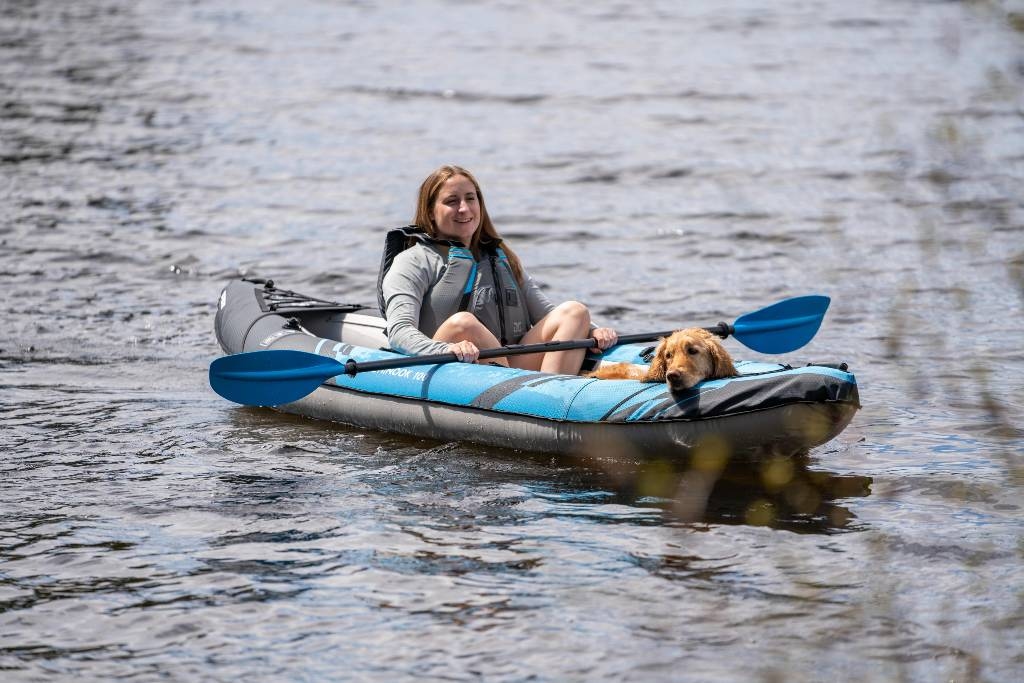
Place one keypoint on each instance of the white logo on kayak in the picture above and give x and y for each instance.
(405, 373)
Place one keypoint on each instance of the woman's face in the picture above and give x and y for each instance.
(457, 210)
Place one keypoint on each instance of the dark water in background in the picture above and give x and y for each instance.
(667, 163)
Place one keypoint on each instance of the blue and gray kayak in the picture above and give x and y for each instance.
(767, 408)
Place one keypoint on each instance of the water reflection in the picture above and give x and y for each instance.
(779, 492)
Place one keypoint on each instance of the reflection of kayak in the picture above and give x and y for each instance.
(766, 406)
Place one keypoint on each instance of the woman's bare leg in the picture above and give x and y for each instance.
(569, 320)
(465, 326)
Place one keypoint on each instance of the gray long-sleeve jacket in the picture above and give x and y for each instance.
(419, 297)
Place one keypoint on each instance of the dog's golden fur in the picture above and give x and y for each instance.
(681, 360)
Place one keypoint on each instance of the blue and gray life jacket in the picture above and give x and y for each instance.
(486, 288)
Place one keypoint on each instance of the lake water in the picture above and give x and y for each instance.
(667, 163)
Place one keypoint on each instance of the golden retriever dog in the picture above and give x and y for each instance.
(681, 360)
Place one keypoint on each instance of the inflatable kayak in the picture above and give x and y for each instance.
(768, 407)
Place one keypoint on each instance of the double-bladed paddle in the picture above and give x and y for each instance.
(273, 377)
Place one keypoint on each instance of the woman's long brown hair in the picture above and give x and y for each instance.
(486, 232)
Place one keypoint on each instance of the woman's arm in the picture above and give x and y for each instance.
(404, 287)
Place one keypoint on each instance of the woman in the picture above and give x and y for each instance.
(459, 289)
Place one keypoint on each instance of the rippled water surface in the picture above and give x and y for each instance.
(667, 163)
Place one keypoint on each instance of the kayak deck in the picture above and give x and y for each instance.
(768, 406)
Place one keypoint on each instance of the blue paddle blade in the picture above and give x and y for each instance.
(782, 327)
(270, 378)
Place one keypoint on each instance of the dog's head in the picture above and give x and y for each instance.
(688, 357)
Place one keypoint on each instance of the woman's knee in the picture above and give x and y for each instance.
(575, 311)
(462, 322)
(462, 325)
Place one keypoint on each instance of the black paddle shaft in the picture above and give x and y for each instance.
(353, 367)
(722, 330)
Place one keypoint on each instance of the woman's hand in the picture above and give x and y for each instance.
(606, 337)
(466, 351)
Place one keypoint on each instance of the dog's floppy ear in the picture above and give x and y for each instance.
(656, 373)
(721, 361)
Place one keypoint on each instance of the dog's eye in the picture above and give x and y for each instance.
(668, 355)
(692, 350)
